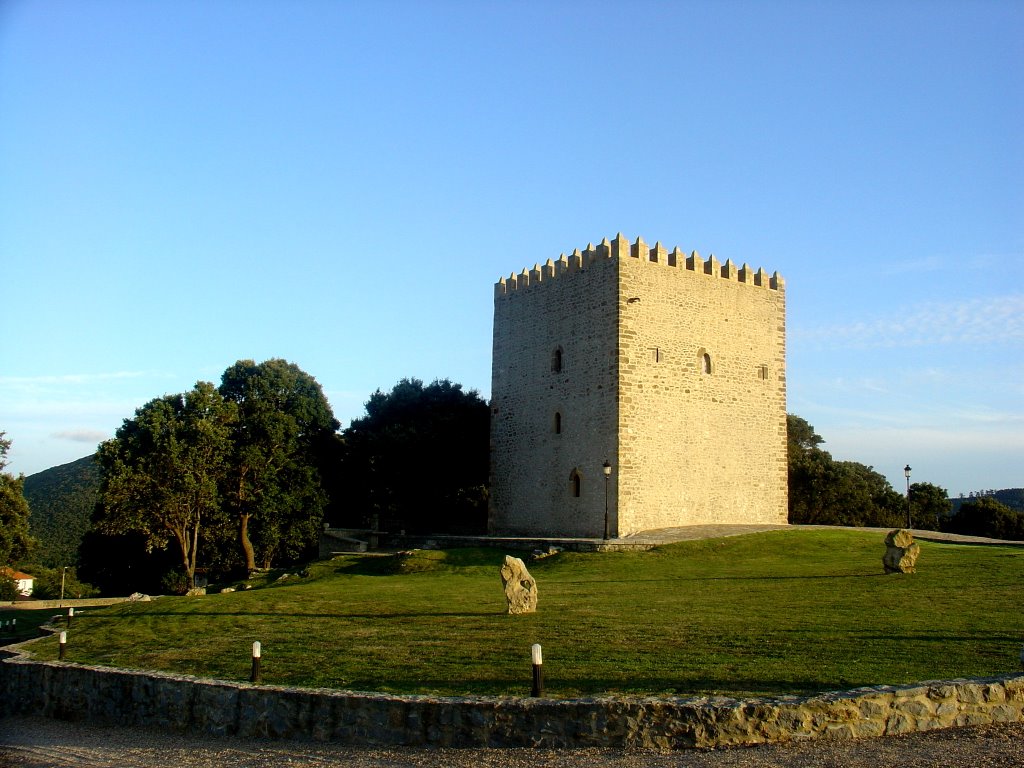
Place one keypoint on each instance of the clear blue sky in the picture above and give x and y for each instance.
(185, 184)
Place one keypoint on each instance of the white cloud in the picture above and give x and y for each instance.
(92, 436)
(988, 320)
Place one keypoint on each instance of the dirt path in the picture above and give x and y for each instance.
(44, 743)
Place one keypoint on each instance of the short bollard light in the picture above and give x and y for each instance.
(257, 652)
(538, 670)
(71, 615)
(62, 647)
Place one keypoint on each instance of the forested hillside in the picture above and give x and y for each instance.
(1010, 497)
(61, 499)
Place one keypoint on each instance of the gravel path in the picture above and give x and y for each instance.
(44, 743)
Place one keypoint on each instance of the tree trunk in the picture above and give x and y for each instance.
(187, 563)
(194, 554)
(243, 536)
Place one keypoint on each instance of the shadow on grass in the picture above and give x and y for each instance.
(919, 537)
(562, 688)
(420, 561)
(709, 686)
(293, 615)
(668, 579)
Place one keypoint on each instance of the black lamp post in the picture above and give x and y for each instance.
(906, 473)
(607, 469)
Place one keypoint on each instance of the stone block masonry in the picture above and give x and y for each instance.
(192, 705)
(669, 367)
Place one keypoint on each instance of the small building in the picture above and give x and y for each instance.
(23, 582)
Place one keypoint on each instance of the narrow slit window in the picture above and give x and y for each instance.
(762, 372)
(704, 361)
(577, 484)
(556, 360)
(558, 423)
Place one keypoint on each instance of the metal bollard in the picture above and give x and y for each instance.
(257, 652)
(538, 671)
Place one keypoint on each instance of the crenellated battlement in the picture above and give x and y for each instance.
(620, 248)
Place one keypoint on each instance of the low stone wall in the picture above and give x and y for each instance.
(186, 704)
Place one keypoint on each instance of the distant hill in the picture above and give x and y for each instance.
(1011, 497)
(61, 500)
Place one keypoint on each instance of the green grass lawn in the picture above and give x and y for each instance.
(25, 624)
(787, 611)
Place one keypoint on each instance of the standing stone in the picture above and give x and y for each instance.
(520, 588)
(900, 552)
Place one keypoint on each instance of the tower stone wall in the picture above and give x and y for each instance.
(669, 367)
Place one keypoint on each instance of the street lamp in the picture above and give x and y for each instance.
(63, 571)
(607, 469)
(906, 473)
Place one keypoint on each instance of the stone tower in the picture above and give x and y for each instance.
(668, 367)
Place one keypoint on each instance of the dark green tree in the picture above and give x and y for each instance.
(823, 491)
(15, 540)
(120, 564)
(987, 517)
(418, 460)
(863, 496)
(929, 505)
(284, 430)
(811, 475)
(162, 472)
(8, 589)
(801, 437)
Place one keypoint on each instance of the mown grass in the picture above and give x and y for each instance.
(786, 611)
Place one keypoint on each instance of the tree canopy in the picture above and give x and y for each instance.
(418, 460)
(227, 476)
(823, 491)
(283, 431)
(985, 516)
(163, 470)
(930, 505)
(15, 540)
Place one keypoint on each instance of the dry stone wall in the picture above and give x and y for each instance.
(185, 704)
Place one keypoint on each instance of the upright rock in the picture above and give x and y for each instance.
(520, 588)
(900, 552)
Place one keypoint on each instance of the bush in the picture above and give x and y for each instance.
(8, 590)
(175, 583)
(47, 584)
